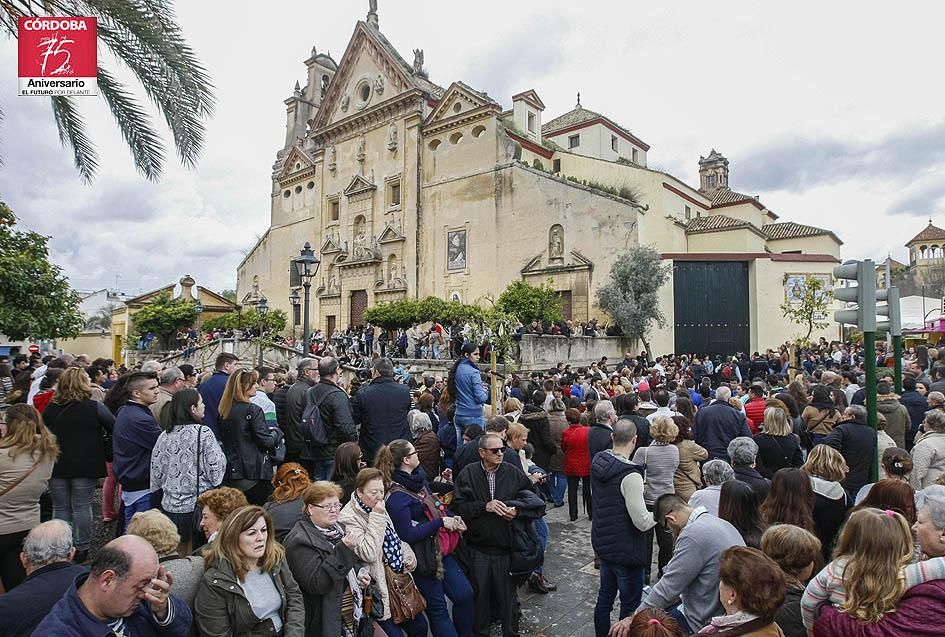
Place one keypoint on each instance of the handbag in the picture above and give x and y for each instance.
(406, 602)
(20, 479)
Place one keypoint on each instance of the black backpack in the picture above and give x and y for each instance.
(313, 427)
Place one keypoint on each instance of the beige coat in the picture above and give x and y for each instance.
(819, 421)
(688, 476)
(19, 508)
(928, 457)
(368, 530)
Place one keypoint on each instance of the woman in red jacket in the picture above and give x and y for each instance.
(577, 462)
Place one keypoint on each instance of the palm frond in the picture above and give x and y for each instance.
(135, 125)
(72, 133)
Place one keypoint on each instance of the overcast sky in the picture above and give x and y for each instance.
(832, 112)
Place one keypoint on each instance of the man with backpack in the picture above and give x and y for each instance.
(295, 400)
(327, 420)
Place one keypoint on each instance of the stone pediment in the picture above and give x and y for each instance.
(331, 245)
(296, 163)
(359, 185)
(460, 103)
(369, 61)
(540, 264)
(390, 234)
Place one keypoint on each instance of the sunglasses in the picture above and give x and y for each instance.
(495, 450)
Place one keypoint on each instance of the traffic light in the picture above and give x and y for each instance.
(864, 294)
(891, 310)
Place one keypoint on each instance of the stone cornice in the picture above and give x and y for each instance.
(462, 119)
(402, 106)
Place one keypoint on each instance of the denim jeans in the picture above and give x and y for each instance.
(321, 469)
(72, 503)
(140, 505)
(628, 581)
(677, 614)
(457, 588)
(416, 627)
(559, 486)
(541, 528)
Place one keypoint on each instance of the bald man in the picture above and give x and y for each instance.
(126, 592)
(47, 558)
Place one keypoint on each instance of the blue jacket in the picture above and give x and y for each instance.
(613, 534)
(26, 605)
(716, 425)
(70, 618)
(212, 391)
(136, 432)
(471, 395)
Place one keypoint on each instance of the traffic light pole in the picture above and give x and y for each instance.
(869, 343)
(897, 352)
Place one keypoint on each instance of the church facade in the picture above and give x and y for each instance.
(407, 189)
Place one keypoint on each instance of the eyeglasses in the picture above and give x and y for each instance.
(495, 450)
(329, 507)
(412, 453)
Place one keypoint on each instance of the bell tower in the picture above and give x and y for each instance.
(713, 172)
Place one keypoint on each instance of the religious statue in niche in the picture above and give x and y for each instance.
(392, 269)
(556, 243)
(418, 60)
(360, 246)
(379, 84)
(345, 100)
(392, 136)
(456, 250)
(332, 282)
(361, 154)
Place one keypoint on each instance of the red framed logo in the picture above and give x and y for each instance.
(57, 56)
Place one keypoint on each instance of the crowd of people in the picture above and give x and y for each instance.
(726, 495)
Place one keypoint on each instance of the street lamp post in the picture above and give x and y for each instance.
(262, 308)
(295, 300)
(307, 266)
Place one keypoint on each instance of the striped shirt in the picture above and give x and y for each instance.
(827, 585)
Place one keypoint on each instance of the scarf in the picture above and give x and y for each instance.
(411, 481)
(333, 534)
(393, 551)
(719, 625)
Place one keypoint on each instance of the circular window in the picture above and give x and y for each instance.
(365, 92)
(298, 189)
(435, 144)
(297, 166)
(287, 194)
(457, 107)
(310, 185)
(362, 93)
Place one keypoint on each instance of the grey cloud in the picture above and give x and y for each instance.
(802, 163)
(921, 200)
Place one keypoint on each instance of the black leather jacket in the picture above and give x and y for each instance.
(247, 441)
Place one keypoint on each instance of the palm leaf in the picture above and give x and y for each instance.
(72, 133)
(135, 125)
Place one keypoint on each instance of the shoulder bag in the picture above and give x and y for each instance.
(406, 602)
(20, 479)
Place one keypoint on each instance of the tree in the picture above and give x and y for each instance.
(811, 311)
(631, 297)
(144, 36)
(229, 295)
(163, 317)
(527, 302)
(405, 312)
(102, 319)
(36, 300)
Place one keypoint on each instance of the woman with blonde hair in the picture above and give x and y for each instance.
(247, 440)
(827, 469)
(797, 552)
(377, 544)
(82, 426)
(285, 506)
(778, 447)
(28, 452)
(660, 459)
(247, 588)
(512, 409)
(161, 533)
(872, 569)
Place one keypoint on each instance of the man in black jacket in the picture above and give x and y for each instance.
(481, 492)
(296, 449)
(856, 442)
(535, 419)
(599, 437)
(718, 423)
(47, 557)
(916, 404)
(335, 410)
(380, 409)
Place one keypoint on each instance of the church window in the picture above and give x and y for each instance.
(574, 141)
(478, 131)
(393, 188)
(710, 181)
(287, 194)
(365, 92)
(614, 143)
(298, 189)
(296, 314)
(635, 157)
(435, 144)
(457, 107)
(298, 166)
(456, 137)
(531, 122)
(334, 210)
(310, 185)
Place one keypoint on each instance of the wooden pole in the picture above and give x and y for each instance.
(492, 380)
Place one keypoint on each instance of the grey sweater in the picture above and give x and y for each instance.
(693, 572)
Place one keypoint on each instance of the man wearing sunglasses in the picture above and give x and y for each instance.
(482, 493)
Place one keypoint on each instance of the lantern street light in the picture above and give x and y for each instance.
(262, 308)
(307, 266)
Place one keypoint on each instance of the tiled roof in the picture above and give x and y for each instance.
(791, 230)
(579, 115)
(710, 223)
(725, 196)
(931, 233)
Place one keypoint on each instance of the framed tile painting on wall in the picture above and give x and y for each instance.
(456, 249)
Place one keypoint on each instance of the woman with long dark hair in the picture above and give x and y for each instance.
(186, 461)
(466, 388)
(432, 531)
(348, 461)
(820, 416)
(790, 500)
(738, 505)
